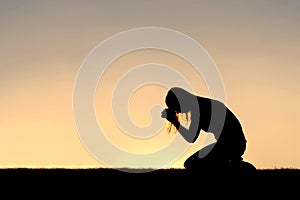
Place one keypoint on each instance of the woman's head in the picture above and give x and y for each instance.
(179, 100)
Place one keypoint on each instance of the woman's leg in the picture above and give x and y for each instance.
(216, 155)
(200, 158)
(237, 153)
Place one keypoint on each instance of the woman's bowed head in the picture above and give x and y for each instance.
(210, 116)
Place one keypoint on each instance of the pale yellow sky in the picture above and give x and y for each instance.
(255, 46)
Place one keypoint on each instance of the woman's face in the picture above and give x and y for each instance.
(172, 103)
(175, 96)
(174, 107)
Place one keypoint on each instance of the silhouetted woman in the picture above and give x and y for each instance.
(210, 116)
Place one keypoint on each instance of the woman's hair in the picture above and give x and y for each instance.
(183, 118)
(179, 100)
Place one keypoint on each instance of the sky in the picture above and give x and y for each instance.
(46, 45)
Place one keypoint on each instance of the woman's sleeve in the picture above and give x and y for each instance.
(191, 133)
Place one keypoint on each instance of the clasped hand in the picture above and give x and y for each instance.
(170, 115)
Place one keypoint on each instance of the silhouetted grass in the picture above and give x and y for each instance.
(115, 182)
(128, 172)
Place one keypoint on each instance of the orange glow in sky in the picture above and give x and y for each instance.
(254, 44)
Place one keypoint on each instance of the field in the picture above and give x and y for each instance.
(170, 182)
(106, 174)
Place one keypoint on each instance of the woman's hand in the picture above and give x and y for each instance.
(170, 115)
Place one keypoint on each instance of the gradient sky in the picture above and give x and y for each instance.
(255, 45)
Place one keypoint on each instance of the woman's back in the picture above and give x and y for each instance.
(219, 120)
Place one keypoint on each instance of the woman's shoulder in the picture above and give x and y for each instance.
(209, 100)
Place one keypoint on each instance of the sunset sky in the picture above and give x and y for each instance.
(255, 46)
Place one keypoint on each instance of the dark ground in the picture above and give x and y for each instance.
(116, 182)
(124, 173)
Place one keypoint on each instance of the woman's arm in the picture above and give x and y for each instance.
(192, 133)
